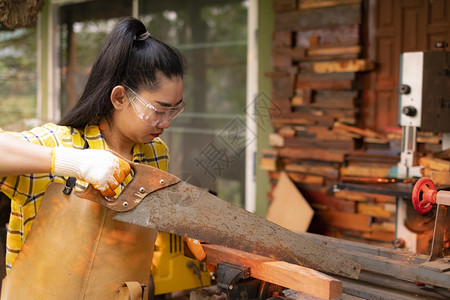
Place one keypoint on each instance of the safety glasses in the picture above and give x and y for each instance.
(150, 114)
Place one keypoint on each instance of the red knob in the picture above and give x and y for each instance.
(424, 195)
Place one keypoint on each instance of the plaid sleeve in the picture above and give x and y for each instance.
(25, 188)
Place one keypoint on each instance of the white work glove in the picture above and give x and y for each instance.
(104, 170)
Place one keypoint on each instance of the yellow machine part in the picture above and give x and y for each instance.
(172, 271)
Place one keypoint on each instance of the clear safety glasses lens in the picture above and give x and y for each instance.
(150, 114)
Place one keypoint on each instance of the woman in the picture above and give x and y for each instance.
(134, 91)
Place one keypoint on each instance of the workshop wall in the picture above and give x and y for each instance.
(327, 106)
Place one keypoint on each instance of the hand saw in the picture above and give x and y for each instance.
(161, 201)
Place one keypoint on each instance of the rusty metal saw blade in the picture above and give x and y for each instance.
(187, 210)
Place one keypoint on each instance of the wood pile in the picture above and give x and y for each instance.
(318, 64)
(437, 168)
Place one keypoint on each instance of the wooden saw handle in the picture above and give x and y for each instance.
(146, 180)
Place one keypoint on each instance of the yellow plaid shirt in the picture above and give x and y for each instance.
(27, 191)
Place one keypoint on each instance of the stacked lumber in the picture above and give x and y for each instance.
(318, 65)
(317, 59)
(437, 169)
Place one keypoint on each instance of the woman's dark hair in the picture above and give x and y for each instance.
(125, 58)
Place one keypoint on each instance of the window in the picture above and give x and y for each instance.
(84, 28)
(18, 78)
(208, 141)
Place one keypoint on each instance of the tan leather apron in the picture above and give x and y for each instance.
(75, 250)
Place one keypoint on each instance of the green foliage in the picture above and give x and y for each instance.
(14, 108)
(18, 78)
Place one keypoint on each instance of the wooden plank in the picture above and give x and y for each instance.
(440, 179)
(269, 164)
(363, 156)
(289, 208)
(435, 163)
(282, 87)
(273, 153)
(306, 178)
(269, 160)
(306, 75)
(314, 40)
(280, 105)
(428, 148)
(385, 226)
(287, 55)
(320, 113)
(302, 97)
(326, 85)
(329, 16)
(325, 81)
(337, 99)
(309, 4)
(345, 220)
(324, 118)
(355, 65)
(445, 154)
(277, 272)
(338, 50)
(300, 128)
(316, 196)
(276, 140)
(284, 5)
(317, 130)
(312, 153)
(281, 39)
(348, 120)
(298, 178)
(342, 82)
(313, 105)
(359, 196)
(298, 100)
(329, 36)
(308, 66)
(365, 171)
(299, 142)
(325, 171)
(377, 140)
(361, 131)
(333, 135)
(280, 121)
(379, 235)
(372, 210)
(369, 180)
(286, 131)
(281, 57)
(330, 57)
(276, 74)
(298, 53)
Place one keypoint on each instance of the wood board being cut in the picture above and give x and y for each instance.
(289, 208)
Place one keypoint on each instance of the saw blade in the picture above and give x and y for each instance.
(189, 211)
